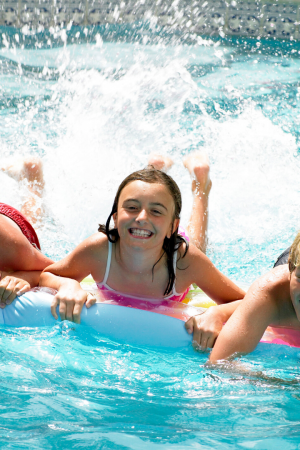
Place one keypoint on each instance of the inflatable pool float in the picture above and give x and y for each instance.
(155, 323)
(137, 322)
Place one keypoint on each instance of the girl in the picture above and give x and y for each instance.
(143, 255)
(274, 299)
(21, 262)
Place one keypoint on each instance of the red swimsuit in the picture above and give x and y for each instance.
(26, 228)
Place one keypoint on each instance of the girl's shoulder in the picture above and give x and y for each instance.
(187, 254)
(95, 245)
(97, 239)
(93, 252)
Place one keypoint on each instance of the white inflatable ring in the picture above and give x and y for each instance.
(145, 323)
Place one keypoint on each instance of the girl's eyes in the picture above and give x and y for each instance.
(156, 212)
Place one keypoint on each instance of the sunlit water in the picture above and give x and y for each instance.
(94, 112)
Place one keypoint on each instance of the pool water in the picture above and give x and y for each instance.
(94, 111)
(62, 389)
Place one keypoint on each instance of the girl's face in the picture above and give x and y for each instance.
(295, 290)
(145, 214)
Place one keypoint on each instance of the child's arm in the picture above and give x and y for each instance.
(65, 276)
(260, 308)
(200, 270)
(197, 268)
(207, 326)
(70, 296)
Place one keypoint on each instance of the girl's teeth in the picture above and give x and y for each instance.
(141, 233)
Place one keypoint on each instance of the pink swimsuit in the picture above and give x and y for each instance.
(115, 295)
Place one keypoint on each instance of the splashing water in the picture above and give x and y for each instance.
(95, 112)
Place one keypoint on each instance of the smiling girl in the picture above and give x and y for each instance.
(143, 255)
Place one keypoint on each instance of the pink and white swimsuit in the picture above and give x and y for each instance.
(115, 295)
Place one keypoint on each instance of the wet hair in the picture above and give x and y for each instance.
(170, 245)
(294, 255)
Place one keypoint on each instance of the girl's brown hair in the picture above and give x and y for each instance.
(170, 245)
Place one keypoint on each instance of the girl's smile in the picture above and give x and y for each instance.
(140, 234)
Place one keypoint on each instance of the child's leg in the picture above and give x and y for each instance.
(160, 162)
(29, 170)
(16, 252)
(198, 165)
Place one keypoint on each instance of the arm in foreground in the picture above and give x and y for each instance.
(260, 308)
(65, 277)
(207, 326)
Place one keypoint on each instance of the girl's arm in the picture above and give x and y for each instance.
(200, 270)
(65, 276)
(260, 308)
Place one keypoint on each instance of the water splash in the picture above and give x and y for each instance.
(95, 112)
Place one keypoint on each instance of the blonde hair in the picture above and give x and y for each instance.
(294, 256)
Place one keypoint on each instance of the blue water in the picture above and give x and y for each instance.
(94, 111)
(65, 390)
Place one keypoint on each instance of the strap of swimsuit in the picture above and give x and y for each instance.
(108, 262)
(174, 267)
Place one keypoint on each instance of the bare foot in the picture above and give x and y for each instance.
(197, 164)
(160, 162)
(29, 169)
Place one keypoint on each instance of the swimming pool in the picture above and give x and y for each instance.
(93, 111)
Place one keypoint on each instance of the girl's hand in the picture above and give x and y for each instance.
(71, 299)
(206, 327)
(10, 288)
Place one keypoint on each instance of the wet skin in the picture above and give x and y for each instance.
(273, 300)
(16, 251)
(295, 291)
(20, 262)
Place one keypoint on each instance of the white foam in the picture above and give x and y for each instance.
(107, 122)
